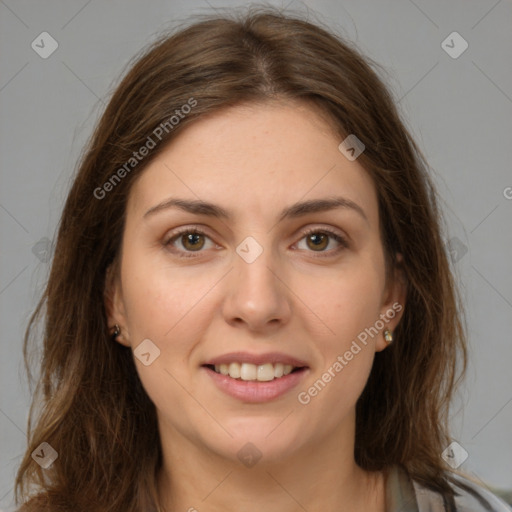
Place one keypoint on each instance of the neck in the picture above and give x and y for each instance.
(320, 477)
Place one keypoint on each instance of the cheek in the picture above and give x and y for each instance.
(163, 306)
(159, 297)
(349, 301)
(349, 306)
(172, 307)
(345, 357)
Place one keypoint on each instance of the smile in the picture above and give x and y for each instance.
(256, 378)
(251, 372)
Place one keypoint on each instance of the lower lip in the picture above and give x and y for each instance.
(255, 391)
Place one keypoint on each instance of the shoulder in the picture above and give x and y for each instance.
(469, 497)
(474, 495)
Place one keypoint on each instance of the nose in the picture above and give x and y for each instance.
(258, 297)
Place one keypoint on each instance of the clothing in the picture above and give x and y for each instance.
(405, 495)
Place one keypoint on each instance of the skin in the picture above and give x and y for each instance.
(294, 298)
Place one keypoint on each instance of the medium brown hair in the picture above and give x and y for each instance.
(93, 409)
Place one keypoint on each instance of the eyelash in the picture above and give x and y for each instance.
(198, 231)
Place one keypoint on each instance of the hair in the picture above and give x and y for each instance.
(93, 409)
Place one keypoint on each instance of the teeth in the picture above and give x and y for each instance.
(265, 372)
(234, 370)
(247, 371)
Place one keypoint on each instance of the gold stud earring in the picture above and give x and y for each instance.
(388, 336)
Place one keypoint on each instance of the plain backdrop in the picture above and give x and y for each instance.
(458, 108)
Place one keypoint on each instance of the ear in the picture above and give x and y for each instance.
(114, 306)
(393, 302)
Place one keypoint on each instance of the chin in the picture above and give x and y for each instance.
(259, 440)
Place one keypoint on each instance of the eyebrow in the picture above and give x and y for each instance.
(299, 209)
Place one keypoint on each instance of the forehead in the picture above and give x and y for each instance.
(252, 159)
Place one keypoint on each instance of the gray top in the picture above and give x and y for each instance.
(405, 495)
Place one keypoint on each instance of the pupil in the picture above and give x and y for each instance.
(192, 239)
(317, 239)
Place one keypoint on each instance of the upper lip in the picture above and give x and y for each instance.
(257, 359)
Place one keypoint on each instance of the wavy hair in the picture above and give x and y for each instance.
(92, 408)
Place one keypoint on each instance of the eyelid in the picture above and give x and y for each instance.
(332, 232)
(175, 234)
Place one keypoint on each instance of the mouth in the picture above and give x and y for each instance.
(254, 372)
(256, 378)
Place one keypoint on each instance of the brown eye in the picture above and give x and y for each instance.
(186, 242)
(318, 241)
(192, 241)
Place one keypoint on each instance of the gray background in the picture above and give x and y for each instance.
(458, 109)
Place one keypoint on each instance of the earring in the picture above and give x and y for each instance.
(117, 331)
(388, 336)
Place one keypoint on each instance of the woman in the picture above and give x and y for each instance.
(250, 305)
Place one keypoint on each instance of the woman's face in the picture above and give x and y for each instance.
(253, 294)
